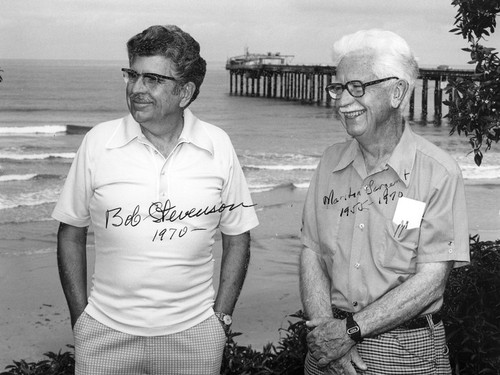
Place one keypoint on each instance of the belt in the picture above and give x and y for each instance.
(415, 323)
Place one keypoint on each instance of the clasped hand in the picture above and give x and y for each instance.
(332, 348)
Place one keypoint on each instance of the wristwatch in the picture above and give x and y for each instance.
(225, 319)
(353, 329)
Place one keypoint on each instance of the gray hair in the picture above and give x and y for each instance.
(393, 56)
(175, 44)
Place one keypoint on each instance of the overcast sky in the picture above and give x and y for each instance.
(99, 29)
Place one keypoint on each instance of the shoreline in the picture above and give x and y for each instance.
(34, 318)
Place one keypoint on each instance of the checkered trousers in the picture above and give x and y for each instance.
(100, 350)
(421, 351)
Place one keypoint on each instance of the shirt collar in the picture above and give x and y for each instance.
(401, 159)
(403, 156)
(125, 132)
(348, 156)
(193, 132)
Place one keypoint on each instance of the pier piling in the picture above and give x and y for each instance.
(306, 83)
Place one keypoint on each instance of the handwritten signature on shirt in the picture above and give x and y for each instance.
(162, 212)
(385, 194)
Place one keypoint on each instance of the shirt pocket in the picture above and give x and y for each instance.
(399, 252)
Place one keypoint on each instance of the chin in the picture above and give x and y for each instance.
(355, 128)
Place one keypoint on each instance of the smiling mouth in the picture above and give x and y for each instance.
(353, 114)
(140, 104)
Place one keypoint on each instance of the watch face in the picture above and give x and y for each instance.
(352, 330)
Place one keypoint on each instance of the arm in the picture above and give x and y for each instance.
(72, 263)
(315, 295)
(314, 286)
(406, 301)
(397, 306)
(234, 264)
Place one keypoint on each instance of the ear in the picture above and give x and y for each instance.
(186, 94)
(399, 92)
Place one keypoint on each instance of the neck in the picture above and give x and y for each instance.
(164, 136)
(378, 149)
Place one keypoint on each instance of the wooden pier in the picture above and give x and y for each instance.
(306, 83)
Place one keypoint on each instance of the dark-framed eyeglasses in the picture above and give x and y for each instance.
(150, 80)
(355, 88)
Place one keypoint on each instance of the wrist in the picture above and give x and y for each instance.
(353, 330)
(225, 319)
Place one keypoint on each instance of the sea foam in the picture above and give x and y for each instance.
(45, 129)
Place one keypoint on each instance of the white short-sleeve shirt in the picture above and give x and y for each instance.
(154, 221)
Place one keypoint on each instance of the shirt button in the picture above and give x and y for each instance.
(355, 303)
(361, 226)
(450, 250)
(357, 265)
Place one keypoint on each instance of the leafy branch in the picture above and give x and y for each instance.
(475, 105)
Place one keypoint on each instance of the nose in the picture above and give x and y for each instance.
(138, 85)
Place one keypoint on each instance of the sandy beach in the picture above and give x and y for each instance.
(34, 317)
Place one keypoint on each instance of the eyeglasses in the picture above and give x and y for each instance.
(150, 80)
(355, 88)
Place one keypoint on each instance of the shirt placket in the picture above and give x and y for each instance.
(161, 168)
(163, 185)
(359, 242)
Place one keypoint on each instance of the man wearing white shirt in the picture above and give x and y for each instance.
(155, 185)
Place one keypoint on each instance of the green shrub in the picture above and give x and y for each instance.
(57, 364)
(286, 359)
(471, 311)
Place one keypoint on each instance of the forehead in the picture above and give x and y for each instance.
(152, 64)
(356, 65)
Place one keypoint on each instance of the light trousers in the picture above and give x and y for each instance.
(100, 350)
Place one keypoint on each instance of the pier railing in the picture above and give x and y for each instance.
(306, 83)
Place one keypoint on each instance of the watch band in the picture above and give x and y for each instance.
(352, 329)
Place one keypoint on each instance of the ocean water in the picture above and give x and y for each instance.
(278, 143)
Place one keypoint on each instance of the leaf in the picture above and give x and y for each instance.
(478, 158)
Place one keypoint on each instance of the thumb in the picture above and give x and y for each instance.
(357, 360)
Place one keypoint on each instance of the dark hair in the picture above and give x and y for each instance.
(175, 44)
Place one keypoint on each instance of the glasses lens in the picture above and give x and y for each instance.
(130, 75)
(356, 88)
(150, 81)
(335, 90)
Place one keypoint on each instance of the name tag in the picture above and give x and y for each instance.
(409, 213)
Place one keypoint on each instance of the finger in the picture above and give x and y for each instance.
(316, 322)
(323, 361)
(340, 368)
(357, 360)
(312, 323)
